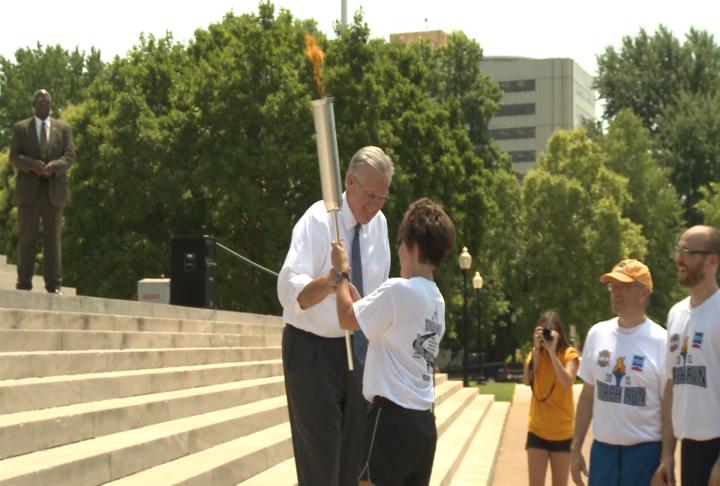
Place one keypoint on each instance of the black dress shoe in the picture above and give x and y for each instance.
(55, 291)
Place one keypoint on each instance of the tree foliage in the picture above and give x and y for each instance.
(576, 230)
(65, 74)
(674, 88)
(653, 203)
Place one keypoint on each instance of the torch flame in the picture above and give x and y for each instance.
(317, 57)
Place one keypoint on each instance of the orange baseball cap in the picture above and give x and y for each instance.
(628, 271)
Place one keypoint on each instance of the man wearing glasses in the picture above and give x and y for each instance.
(622, 371)
(328, 414)
(691, 403)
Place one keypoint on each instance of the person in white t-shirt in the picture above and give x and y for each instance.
(691, 404)
(622, 372)
(404, 321)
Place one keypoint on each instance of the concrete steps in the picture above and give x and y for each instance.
(8, 279)
(99, 391)
(478, 465)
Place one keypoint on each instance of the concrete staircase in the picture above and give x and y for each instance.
(8, 278)
(101, 391)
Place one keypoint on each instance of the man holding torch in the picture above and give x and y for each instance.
(328, 414)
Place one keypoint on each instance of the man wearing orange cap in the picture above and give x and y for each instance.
(622, 371)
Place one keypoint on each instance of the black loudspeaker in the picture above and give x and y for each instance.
(192, 271)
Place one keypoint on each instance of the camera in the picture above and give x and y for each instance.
(547, 334)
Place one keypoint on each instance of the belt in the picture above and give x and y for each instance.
(310, 335)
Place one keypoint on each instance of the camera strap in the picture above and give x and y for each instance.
(531, 370)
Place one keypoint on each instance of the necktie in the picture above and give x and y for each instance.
(43, 141)
(360, 342)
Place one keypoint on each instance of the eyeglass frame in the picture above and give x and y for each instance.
(622, 287)
(371, 195)
(686, 253)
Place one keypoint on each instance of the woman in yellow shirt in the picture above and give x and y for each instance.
(550, 371)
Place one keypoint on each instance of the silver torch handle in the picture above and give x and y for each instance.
(330, 174)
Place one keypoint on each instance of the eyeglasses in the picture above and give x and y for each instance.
(622, 287)
(684, 252)
(372, 196)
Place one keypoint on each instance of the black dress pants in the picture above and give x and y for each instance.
(328, 416)
(29, 216)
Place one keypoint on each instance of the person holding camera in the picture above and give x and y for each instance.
(623, 377)
(550, 371)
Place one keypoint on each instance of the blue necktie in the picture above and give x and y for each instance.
(360, 342)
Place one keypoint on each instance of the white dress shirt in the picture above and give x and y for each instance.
(309, 258)
(38, 125)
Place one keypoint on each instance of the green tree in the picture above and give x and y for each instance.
(689, 141)
(649, 72)
(653, 203)
(709, 206)
(576, 231)
(66, 74)
(217, 138)
(424, 120)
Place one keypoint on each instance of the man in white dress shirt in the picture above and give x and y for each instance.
(328, 414)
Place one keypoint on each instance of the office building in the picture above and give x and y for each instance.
(539, 97)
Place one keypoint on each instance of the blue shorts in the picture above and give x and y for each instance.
(615, 465)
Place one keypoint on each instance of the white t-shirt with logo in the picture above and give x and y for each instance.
(404, 321)
(693, 364)
(626, 367)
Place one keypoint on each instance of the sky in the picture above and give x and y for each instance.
(577, 29)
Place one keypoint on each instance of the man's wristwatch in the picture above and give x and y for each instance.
(341, 275)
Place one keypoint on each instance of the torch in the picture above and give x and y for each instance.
(330, 174)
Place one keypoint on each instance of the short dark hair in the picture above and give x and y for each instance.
(427, 227)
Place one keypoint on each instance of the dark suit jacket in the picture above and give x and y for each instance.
(25, 147)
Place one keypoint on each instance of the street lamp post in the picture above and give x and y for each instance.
(477, 282)
(464, 261)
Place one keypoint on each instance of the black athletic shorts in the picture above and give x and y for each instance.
(400, 444)
(537, 442)
(697, 458)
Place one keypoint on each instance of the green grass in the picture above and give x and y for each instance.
(503, 391)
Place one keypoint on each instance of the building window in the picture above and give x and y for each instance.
(584, 93)
(512, 133)
(522, 156)
(518, 86)
(518, 109)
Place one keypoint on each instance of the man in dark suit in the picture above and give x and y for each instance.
(41, 150)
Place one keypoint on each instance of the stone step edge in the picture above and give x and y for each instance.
(52, 387)
(284, 473)
(275, 326)
(19, 365)
(234, 460)
(101, 305)
(49, 463)
(78, 340)
(134, 350)
(111, 404)
(478, 466)
(26, 432)
(458, 438)
(457, 403)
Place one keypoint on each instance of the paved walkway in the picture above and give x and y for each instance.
(511, 466)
